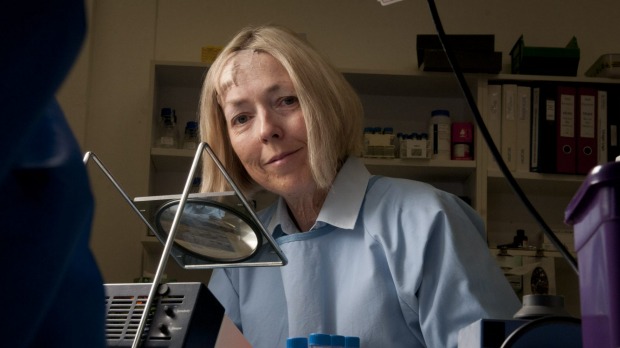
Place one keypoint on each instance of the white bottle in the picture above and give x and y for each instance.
(439, 135)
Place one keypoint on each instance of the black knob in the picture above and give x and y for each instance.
(169, 311)
(164, 329)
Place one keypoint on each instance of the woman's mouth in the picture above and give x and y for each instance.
(280, 157)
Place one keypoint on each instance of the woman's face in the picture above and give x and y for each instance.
(265, 123)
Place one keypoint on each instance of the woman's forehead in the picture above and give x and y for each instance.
(242, 64)
(246, 67)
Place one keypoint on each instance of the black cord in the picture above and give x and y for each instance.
(494, 151)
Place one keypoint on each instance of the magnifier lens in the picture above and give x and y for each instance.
(209, 230)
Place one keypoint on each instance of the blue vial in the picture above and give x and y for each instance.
(351, 342)
(337, 341)
(190, 136)
(297, 342)
(318, 340)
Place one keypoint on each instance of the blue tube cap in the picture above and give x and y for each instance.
(337, 341)
(297, 342)
(319, 339)
(351, 342)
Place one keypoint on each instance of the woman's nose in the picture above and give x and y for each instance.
(270, 127)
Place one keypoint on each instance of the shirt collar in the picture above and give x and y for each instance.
(342, 204)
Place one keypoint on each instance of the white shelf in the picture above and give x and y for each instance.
(527, 252)
(569, 79)
(180, 160)
(539, 183)
(423, 169)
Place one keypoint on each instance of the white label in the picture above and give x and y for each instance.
(166, 141)
(550, 114)
(461, 151)
(586, 121)
(567, 121)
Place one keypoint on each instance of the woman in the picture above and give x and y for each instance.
(393, 261)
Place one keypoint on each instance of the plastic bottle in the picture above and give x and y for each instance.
(439, 135)
(190, 137)
(367, 133)
(397, 141)
(351, 342)
(337, 341)
(167, 129)
(318, 340)
(388, 151)
(297, 342)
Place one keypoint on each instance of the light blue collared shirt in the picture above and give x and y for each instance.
(396, 262)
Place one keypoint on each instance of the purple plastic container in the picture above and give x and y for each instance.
(594, 212)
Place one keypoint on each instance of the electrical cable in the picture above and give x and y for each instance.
(492, 147)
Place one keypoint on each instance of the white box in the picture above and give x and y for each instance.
(413, 148)
(379, 139)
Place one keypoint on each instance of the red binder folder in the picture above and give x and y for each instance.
(566, 157)
(587, 149)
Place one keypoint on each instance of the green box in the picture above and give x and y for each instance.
(554, 61)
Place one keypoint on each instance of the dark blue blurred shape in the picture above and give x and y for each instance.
(51, 288)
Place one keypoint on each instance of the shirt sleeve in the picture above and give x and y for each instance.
(224, 284)
(444, 275)
(460, 281)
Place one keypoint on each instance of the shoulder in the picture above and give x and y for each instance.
(406, 192)
(403, 202)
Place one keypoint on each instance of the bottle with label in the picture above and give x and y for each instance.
(462, 140)
(387, 150)
(190, 137)
(439, 135)
(167, 129)
(366, 150)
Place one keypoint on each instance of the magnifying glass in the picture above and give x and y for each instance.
(209, 230)
(213, 230)
(199, 231)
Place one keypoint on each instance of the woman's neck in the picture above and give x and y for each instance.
(304, 209)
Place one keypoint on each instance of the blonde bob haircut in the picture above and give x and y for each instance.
(332, 110)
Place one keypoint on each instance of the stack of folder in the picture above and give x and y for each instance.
(554, 127)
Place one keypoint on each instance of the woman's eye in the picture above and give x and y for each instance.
(288, 101)
(240, 119)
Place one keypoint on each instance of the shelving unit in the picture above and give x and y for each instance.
(403, 102)
(549, 193)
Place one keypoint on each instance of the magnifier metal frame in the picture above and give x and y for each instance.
(169, 243)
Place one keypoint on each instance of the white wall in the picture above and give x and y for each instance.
(363, 34)
(107, 97)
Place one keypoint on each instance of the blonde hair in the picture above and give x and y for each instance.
(332, 110)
